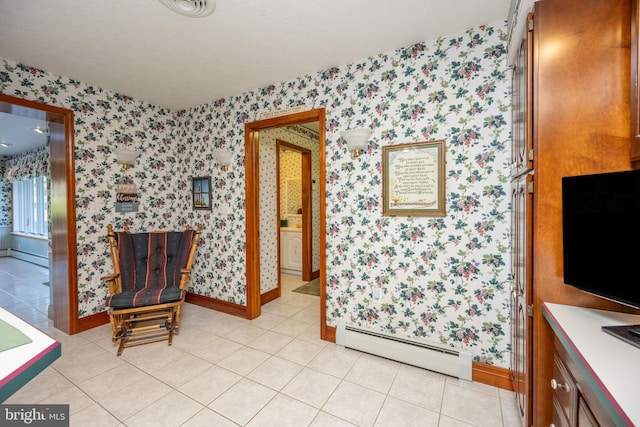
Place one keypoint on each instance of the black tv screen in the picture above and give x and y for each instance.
(601, 235)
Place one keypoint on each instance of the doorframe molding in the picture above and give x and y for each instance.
(64, 307)
(252, 206)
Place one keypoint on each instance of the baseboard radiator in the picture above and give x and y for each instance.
(412, 352)
(5, 238)
(24, 256)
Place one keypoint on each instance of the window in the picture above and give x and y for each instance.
(30, 206)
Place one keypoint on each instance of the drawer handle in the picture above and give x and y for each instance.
(556, 385)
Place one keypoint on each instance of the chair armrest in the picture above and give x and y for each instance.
(113, 282)
(185, 273)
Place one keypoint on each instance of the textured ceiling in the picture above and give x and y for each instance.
(141, 49)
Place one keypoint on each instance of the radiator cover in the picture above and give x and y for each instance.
(456, 363)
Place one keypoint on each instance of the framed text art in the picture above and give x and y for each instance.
(413, 179)
(201, 190)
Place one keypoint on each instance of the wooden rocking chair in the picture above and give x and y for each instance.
(149, 283)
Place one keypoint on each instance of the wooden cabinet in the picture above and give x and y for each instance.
(595, 375)
(585, 417)
(565, 393)
(573, 406)
(521, 294)
(570, 406)
(291, 250)
(575, 93)
(522, 173)
(522, 109)
(635, 84)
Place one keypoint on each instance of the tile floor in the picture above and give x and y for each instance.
(226, 371)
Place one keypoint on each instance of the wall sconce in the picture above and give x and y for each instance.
(126, 157)
(357, 140)
(223, 157)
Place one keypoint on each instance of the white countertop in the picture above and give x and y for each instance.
(20, 364)
(296, 229)
(611, 365)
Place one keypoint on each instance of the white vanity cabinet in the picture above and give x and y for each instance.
(291, 249)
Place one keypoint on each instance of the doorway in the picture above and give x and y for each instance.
(294, 205)
(63, 309)
(252, 175)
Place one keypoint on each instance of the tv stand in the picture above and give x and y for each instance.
(627, 333)
(596, 375)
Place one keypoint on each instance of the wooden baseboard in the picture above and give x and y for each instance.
(216, 304)
(481, 372)
(98, 319)
(269, 296)
(492, 375)
(90, 322)
(330, 334)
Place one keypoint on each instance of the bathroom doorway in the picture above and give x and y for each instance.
(253, 177)
(295, 211)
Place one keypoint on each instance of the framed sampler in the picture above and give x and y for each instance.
(413, 179)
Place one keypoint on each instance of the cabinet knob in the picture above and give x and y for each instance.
(556, 385)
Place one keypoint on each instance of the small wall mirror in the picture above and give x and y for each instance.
(294, 196)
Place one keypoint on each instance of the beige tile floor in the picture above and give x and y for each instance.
(226, 371)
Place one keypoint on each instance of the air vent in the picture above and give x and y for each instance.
(192, 8)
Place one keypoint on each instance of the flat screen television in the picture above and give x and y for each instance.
(601, 238)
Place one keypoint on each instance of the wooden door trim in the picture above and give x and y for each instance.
(252, 205)
(307, 236)
(65, 304)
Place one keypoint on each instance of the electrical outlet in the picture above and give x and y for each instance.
(376, 292)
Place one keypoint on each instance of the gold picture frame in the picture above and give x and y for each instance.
(413, 179)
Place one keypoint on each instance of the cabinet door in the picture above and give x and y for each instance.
(295, 251)
(565, 391)
(284, 249)
(585, 417)
(522, 142)
(522, 163)
(291, 250)
(521, 321)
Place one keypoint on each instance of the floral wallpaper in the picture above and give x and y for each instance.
(30, 164)
(104, 120)
(290, 184)
(268, 212)
(5, 200)
(440, 279)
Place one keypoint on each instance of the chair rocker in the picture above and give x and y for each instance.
(149, 283)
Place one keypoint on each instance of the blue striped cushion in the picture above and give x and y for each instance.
(150, 267)
(146, 296)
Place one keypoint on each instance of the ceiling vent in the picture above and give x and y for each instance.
(192, 8)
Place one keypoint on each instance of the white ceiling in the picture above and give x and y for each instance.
(18, 133)
(141, 49)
